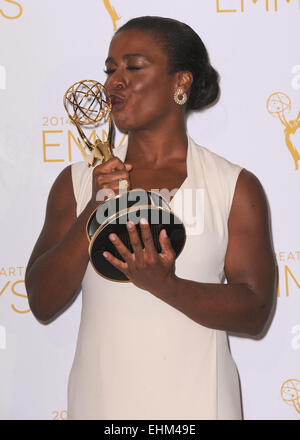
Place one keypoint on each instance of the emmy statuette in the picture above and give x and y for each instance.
(88, 105)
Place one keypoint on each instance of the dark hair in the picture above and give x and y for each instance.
(186, 52)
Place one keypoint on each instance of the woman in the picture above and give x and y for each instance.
(156, 348)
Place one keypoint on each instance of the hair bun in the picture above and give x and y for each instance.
(205, 89)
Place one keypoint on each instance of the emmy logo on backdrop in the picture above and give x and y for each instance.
(277, 104)
(112, 12)
(245, 5)
(290, 393)
(11, 10)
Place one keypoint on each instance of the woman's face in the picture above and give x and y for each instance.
(138, 81)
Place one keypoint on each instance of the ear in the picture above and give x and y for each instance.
(184, 80)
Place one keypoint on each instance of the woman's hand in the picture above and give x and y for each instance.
(106, 179)
(145, 267)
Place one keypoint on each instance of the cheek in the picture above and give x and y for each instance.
(154, 84)
(150, 96)
(149, 99)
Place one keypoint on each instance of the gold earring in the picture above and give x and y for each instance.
(180, 97)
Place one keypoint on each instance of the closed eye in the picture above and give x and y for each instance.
(111, 71)
(133, 68)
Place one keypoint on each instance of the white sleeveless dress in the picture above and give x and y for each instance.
(139, 358)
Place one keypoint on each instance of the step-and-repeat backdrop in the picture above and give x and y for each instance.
(47, 45)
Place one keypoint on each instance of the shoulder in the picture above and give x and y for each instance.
(246, 181)
(249, 187)
(249, 181)
(219, 174)
(222, 172)
(70, 180)
(245, 194)
(249, 206)
(63, 181)
(61, 194)
(214, 160)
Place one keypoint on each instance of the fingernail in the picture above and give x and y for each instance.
(164, 233)
(143, 221)
(112, 237)
(129, 225)
(105, 254)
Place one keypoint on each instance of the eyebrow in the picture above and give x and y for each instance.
(126, 57)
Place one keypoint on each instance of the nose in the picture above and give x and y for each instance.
(116, 81)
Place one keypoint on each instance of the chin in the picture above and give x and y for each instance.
(122, 126)
(125, 125)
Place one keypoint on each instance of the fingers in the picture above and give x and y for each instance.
(142, 258)
(130, 259)
(149, 247)
(147, 237)
(104, 179)
(121, 248)
(123, 267)
(135, 242)
(140, 255)
(128, 166)
(166, 245)
(108, 175)
(111, 165)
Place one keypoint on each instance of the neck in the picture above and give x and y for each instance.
(157, 147)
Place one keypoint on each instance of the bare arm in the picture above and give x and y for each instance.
(60, 257)
(244, 304)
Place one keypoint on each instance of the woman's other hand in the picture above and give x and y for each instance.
(145, 267)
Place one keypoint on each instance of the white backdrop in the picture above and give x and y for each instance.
(45, 46)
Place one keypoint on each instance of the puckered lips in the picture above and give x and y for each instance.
(117, 101)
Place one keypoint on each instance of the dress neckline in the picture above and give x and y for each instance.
(121, 153)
